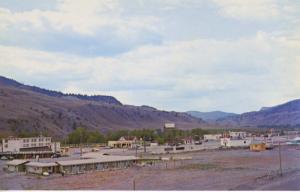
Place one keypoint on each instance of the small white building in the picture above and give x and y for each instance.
(214, 137)
(237, 134)
(153, 144)
(228, 142)
(16, 165)
(40, 168)
(169, 126)
(123, 143)
(14, 144)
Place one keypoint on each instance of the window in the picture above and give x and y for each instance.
(6, 146)
(41, 139)
(33, 140)
(33, 145)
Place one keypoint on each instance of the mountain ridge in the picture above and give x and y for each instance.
(282, 115)
(26, 108)
(210, 116)
(99, 98)
(23, 109)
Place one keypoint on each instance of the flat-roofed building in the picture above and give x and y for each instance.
(229, 142)
(105, 162)
(214, 137)
(123, 142)
(169, 126)
(238, 134)
(15, 144)
(16, 165)
(40, 168)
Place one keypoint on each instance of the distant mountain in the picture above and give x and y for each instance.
(28, 109)
(284, 115)
(210, 116)
(99, 98)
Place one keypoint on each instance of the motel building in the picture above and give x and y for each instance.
(16, 165)
(40, 168)
(76, 166)
(98, 164)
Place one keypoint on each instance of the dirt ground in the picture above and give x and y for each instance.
(207, 170)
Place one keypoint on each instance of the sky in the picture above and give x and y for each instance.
(229, 55)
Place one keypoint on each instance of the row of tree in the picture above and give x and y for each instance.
(82, 135)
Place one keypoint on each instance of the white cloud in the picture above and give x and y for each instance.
(259, 68)
(200, 74)
(79, 16)
(255, 9)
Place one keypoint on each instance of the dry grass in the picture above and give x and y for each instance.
(200, 166)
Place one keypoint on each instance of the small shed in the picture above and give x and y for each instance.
(257, 147)
(17, 165)
(229, 142)
(40, 168)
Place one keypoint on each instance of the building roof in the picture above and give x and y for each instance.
(127, 138)
(92, 155)
(257, 142)
(122, 141)
(102, 159)
(20, 138)
(17, 162)
(296, 139)
(40, 164)
(213, 134)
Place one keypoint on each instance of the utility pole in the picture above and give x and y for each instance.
(136, 148)
(280, 166)
(133, 184)
(80, 142)
(144, 144)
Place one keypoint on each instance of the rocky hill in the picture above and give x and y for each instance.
(100, 98)
(281, 116)
(210, 116)
(31, 109)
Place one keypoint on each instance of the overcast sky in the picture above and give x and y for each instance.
(230, 55)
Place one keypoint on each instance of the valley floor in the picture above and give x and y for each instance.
(208, 170)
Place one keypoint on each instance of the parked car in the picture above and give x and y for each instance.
(4, 158)
(56, 155)
(198, 142)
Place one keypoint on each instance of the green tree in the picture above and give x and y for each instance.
(160, 140)
(95, 137)
(78, 135)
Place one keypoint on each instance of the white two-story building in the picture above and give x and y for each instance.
(14, 144)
